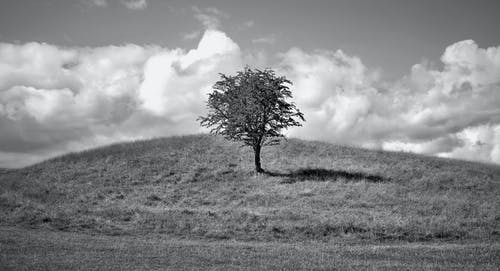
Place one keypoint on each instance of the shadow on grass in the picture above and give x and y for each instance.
(319, 174)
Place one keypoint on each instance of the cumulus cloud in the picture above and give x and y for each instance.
(437, 112)
(56, 99)
(194, 70)
(334, 90)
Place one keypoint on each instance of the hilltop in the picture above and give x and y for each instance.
(203, 187)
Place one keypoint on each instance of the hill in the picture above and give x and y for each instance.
(204, 187)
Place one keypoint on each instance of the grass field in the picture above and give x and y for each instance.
(202, 189)
(45, 250)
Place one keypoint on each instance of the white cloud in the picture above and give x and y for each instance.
(481, 143)
(55, 99)
(135, 4)
(215, 11)
(209, 17)
(130, 4)
(192, 71)
(96, 3)
(191, 35)
(335, 92)
(429, 111)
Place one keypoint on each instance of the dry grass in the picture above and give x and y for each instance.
(23, 249)
(204, 187)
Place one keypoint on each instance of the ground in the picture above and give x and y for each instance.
(23, 249)
(194, 201)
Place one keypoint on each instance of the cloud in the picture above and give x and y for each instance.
(54, 99)
(96, 3)
(481, 143)
(334, 90)
(248, 24)
(209, 17)
(245, 25)
(135, 4)
(437, 112)
(195, 70)
(130, 4)
(270, 39)
(57, 99)
(191, 35)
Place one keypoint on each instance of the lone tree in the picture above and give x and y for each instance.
(251, 107)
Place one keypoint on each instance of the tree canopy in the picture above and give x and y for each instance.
(252, 107)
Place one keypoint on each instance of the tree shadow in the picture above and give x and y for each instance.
(322, 175)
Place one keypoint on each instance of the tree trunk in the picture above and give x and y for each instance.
(258, 167)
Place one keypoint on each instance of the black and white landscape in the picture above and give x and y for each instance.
(249, 135)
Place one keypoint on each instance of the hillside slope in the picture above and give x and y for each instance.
(204, 187)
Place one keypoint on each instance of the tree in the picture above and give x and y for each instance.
(251, 107)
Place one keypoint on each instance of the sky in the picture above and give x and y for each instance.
(417, 76)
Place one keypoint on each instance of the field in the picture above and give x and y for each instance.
(44, 250)
(194, 201)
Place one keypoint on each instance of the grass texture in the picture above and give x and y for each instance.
(203, 188)
(22, 249)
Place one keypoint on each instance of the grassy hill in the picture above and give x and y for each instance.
(204, 187)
